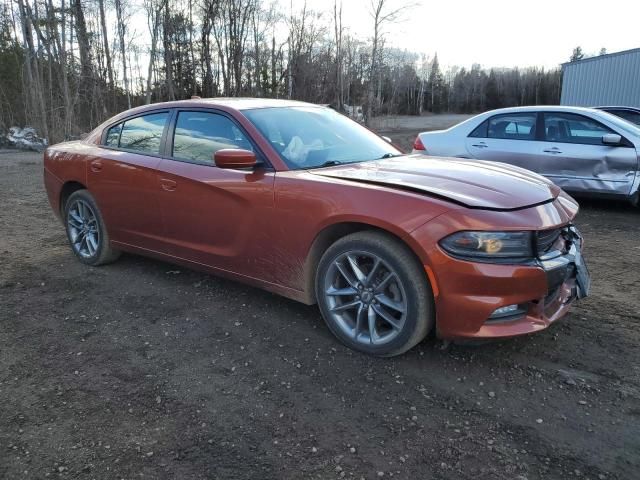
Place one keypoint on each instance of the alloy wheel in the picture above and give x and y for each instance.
(365, 297)
(82, 225)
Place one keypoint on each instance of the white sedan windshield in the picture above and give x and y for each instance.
(311, 137)
(623, 124)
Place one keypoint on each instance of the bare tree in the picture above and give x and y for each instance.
(32, 66)
(154, 10)
(382, 12)
(337, 24)
(61, 66)
(105, 39)
(231, 31)
(123, 51)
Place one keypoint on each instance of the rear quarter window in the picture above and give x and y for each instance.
(480, 131)
(144, 133)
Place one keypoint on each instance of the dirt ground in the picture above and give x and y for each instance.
(143, 370)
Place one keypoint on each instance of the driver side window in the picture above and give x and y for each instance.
(198, 135)
(573, 128)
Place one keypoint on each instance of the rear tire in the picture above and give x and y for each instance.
(86, 231)
(374, 294)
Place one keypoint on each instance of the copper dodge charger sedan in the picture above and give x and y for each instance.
(302, 201)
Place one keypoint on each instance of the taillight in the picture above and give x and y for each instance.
(418, 145)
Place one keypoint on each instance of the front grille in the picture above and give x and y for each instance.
(545, 240)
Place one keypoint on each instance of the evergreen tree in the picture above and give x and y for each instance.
(577, 54)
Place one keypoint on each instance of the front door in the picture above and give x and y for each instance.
(213, 216)
(575, 158)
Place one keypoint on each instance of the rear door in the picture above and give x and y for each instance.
(508, 138)
(123, 179)
(576, 159)
(213, 216)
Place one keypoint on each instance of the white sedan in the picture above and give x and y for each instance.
(582, 150)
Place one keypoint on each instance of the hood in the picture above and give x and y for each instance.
(472, 183)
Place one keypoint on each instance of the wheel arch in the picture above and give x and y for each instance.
(333, 232)
(67, 190)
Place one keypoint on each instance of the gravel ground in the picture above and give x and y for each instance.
(141, 369)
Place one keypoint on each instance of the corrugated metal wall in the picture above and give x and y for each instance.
(612, 79)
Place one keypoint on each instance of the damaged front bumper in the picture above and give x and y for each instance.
(561, 267)
(494, 301)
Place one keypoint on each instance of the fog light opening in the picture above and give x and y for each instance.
(507, 313)
(502, 311)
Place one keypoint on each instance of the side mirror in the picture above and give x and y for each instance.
(387, 139)
(612, 139)
(234, 158)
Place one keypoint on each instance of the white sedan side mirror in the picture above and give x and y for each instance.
(612, 139)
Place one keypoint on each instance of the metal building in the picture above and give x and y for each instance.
(611, 79)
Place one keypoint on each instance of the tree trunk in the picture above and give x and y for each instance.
(155, 14)
(31, 63)
(372, 87)
(83, 41)
(168, 53)
(123, 52)
(337, 21)
(192, 48)
(105, 39)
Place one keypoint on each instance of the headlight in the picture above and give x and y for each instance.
(489, 245)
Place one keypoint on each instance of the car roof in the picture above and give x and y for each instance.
(224, 103)
(618, 107)
(245, 103)
(236, 103)
(541, 108)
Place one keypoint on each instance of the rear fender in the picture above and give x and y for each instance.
(63, 163)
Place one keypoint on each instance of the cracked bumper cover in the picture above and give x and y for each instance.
(469, 292)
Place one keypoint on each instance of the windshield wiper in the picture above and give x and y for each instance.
(329, 163)
(389, 155)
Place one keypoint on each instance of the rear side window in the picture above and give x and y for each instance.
(481, 130)
(143, 134)
(199, 135)
(113, 136)
(515, 126)
(573, 128)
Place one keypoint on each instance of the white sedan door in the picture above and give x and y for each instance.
(575, 157)
(508, 138)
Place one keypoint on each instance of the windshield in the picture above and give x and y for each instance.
(312, 137)
(621, 123)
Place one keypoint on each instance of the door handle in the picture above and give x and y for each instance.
(552, 150)
(480, 145)
(96, 166)
(168, 185)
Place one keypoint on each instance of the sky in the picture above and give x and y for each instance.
(500, 33)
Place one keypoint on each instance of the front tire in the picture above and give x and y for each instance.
(86, 230)
(374, 295)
